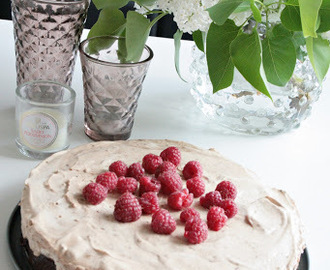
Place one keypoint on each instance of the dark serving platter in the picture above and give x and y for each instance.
(20, 256)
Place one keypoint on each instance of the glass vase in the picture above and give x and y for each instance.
(241, 108)
(47, 35)
(112, 88)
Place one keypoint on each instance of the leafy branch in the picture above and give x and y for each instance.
(229, 45)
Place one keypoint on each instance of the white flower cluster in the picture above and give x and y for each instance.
(190, 15)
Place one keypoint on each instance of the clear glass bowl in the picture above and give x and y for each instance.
(241, 108)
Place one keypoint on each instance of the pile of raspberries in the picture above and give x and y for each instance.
(158, 174)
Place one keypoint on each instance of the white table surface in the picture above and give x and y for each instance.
(297, 162)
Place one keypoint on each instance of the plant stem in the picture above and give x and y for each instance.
(261, 3)
(153, 12)
(154, 21)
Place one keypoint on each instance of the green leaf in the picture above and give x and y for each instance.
(199, 37)
(255, 11)
(245, 6)
(319, 54)
(122, 50)
(290, 18)
(245, 51)
(110, 22)
(292, 3)
(101, 4)
(220, 66)
(145, 2)
(177, 45)
(298, 40)
(278, 58)
(220, 12)
(309, 10)
(324, 17)
(280, 30)
(137, 32)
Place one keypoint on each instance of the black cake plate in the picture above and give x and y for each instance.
(20, 256)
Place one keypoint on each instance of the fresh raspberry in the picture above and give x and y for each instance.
(149, 184)
(95, 193)
(119, 168)
(230, 207)
(227, 190)
(171, 154)
(188, 214)
(180, 199)
(151, 162)
(135, 170)
(196, 186)
(192, 169)
(126, 184)
(170, 181)
(195, 231)
(127, 208)
(162, 222)
(149, 202)
(165, 166)
(108, 180)
(212, 198)
(216, 218)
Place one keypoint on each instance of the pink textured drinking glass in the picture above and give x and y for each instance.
(47, 35)
(112, 87)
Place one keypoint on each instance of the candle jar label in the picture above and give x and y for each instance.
(38, 130)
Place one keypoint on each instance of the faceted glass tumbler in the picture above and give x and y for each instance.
(112, 87)
(47, 35)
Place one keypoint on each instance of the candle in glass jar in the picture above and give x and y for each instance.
(44, 113)
(44, 129)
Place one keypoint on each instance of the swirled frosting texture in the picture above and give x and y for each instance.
(58, 223)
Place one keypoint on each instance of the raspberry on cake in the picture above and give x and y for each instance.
(230, 207)
(108, 180)
(165, 166)
(149, 202)
(127, 184)
(162, 222)
(149, 184)
(127, 208)
(170, 182)
(196, 231)
(188, 214)
(216, 218)
(151, 162)
(196, 186)
(179, 200)
(171, 154)
(135, 170)
(119, 168)
(212, 198)
(192, 169)
(227, 190)
(95, 193)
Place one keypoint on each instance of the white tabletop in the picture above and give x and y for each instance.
(296, 161)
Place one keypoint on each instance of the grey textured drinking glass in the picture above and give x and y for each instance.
(47, 35)
(111, 87)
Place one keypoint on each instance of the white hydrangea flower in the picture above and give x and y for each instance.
(325, 35)
(190, 15)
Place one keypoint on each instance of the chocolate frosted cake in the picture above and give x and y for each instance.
(60, 224)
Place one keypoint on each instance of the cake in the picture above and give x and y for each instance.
(60, 225)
